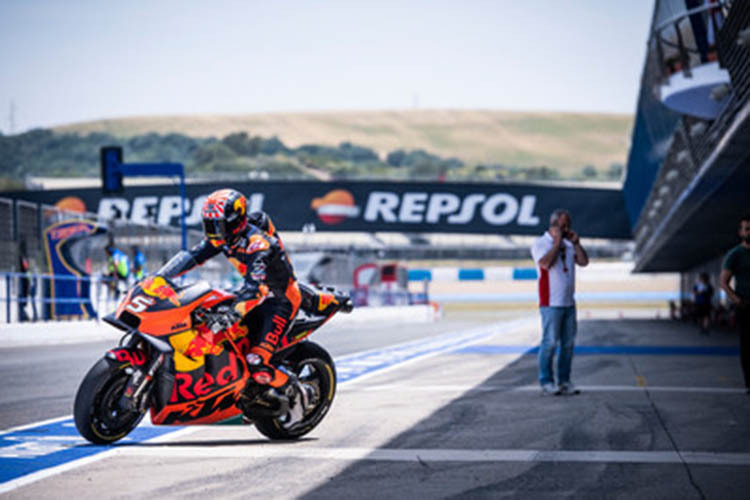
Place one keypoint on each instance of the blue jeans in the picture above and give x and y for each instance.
(558, 325)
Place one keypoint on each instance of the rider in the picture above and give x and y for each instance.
(270, 284)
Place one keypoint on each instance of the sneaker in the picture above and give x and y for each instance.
(549, 389)
(569, 389)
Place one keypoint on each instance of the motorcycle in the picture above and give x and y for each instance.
(184, 362)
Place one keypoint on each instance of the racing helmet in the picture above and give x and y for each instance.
(224, 217)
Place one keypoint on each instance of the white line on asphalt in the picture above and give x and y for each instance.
(35, 424)
(535, 388)
(481, 334)
(53, 471)
(437, 455)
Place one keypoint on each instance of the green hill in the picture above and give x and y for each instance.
(564, 141)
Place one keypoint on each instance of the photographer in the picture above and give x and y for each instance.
(556, 254)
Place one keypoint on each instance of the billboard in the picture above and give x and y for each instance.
(521, 209)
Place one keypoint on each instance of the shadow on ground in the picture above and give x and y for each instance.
(499, 417)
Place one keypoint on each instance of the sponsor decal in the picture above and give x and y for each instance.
(212, 406)
(140, 304)
(158, 287)
(326, 299)
(162, 210)
(71, 204)
(187, 388)
(202, 344)
(257, 243)
(497, 209)
(239, 205)
(382, 207)
(178, 326)
(262, 378)
(278, 329)
(67, 231)
(135, 357)
(335, 207)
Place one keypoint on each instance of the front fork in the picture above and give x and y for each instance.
(133, 398)
(135, 395)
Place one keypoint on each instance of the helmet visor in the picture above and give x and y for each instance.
(215, 229)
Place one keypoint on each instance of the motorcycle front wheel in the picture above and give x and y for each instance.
(97, 414)
(314, 367)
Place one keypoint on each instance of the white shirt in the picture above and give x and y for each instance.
(557, 286)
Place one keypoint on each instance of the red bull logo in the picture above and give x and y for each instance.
(326, 299)
(201, 346)
(335, 207)
(159, 288)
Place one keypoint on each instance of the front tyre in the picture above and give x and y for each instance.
(97, 414)
(314, 367)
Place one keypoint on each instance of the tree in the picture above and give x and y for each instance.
(615, 171)
(589, 172)
(242, 144)
(396, 158)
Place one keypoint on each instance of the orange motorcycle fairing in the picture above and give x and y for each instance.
(210, 409)
(208, 379)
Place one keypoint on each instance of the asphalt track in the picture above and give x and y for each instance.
(661, 416)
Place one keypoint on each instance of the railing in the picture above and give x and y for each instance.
(694, 140)
(689, 38)
(24, 297)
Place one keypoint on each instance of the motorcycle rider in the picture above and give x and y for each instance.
(270, 287)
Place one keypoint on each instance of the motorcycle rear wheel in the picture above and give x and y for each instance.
(314, 366)
(97, 415)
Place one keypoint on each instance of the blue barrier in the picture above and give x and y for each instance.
(37, 293)
(525, 273)
(419, 275)
(470, 274)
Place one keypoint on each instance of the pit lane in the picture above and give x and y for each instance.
(468, 421)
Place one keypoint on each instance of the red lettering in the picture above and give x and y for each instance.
(182, 382)
(229, 372)
(135, 358)
(123, 355)
(202, 387)
(138, 358)
(273, 337)
(280, 324)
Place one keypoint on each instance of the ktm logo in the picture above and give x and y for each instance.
(335, 207)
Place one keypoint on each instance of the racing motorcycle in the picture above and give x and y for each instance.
(184, 362)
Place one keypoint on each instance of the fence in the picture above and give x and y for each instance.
(23, 298)
(23, 223)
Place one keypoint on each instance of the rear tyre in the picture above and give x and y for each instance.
(97, 414)
(315, 369)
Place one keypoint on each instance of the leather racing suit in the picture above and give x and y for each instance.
(260, 258)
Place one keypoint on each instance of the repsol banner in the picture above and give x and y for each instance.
(370, 206)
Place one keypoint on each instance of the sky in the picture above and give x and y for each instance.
(76, 60)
